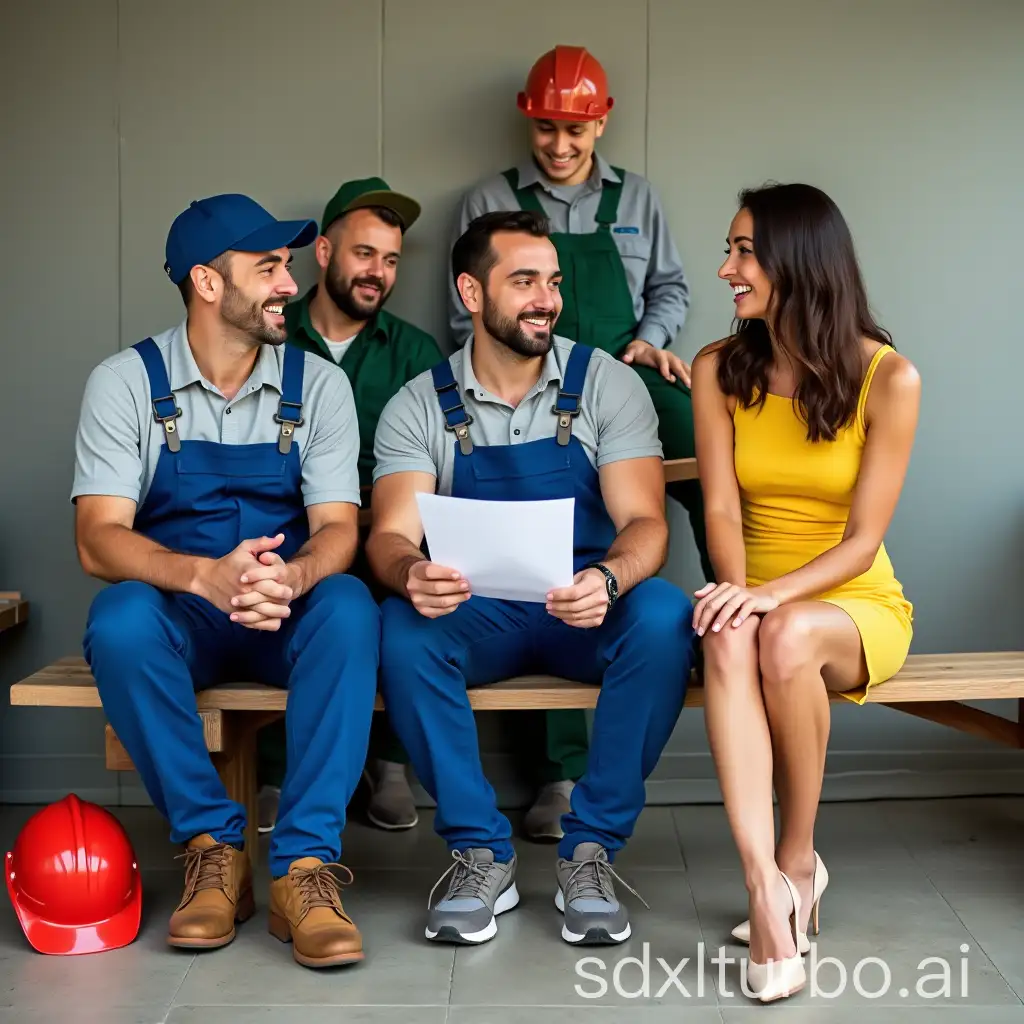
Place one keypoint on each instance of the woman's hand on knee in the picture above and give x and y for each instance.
(721, 602)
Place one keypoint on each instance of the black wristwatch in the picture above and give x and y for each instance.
(610, 581)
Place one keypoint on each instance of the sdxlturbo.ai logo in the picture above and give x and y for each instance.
(828, 977)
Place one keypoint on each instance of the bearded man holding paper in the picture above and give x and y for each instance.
(522, 415)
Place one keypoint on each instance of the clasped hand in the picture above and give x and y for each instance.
(720, 602)
(252, 584)
(436, 590)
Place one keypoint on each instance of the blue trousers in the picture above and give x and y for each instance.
(150, 651)
(641, 657)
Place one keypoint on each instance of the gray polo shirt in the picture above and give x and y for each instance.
(661, 295)
(119, 441)
(617, 419)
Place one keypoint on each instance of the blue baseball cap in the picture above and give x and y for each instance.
(215, 225)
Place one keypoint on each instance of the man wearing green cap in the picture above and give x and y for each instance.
(342, 319)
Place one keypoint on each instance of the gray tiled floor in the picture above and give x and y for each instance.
(909, 881)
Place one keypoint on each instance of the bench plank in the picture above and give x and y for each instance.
(965, 676)
(924, 678)
(680, 469)
(13, 609)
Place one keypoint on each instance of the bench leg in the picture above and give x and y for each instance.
(971, 720)
(236, 766)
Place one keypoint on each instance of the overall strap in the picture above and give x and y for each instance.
(456, 419)
(165, 409)
(608, 208)
(569, 402)
(526, 197)
(289, 409)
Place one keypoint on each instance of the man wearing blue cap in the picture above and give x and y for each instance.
(216, 487)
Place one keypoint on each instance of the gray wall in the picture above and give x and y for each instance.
(116, 115)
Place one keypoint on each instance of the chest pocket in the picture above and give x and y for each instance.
(635, 250)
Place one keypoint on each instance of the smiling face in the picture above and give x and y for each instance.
(520, 300)
(564, 150)
(256, 287)
(752, 291)
(360, 259)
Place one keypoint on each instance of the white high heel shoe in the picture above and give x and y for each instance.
(778, 979)
(820, 883)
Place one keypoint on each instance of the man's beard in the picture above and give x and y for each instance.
(248, 317)
(507, 330)
(342, 293)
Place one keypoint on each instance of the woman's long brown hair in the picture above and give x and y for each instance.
(820, 309)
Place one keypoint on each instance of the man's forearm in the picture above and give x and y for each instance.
(330, 550)
(391, 556)
(116, 553)
(638, 552)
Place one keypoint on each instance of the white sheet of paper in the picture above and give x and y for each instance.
(514, 550)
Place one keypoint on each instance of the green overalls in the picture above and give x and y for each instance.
(597, 310)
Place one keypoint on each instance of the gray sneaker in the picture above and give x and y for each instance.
(479, 890)
(392, 805)
(586, 897)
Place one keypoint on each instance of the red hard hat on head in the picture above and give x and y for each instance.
(566, 84)
(74, 881)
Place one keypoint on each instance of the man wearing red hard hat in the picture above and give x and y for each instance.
(623, 290)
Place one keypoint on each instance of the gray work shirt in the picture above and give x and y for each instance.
(654, 271)
(119, 441)
(617, 419)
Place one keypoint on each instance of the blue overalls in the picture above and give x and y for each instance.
(150, 650)
(641, 655)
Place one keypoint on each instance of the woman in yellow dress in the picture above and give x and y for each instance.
(805, 420)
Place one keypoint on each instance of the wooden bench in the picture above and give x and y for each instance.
(930, 686)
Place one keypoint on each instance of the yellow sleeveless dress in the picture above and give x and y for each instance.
(795, 496)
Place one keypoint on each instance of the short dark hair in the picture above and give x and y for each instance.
(219, 263)
(473, 254)
(384, 213)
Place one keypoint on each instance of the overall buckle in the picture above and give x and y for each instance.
(288, 421)
(565, 416)
(170, 428)
(461, 431)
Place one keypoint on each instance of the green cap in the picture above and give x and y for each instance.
(369, 192)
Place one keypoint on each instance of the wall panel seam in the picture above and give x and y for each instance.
(120, 190)
(380, 90)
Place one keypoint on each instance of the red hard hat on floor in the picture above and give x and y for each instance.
(74, 881)
(566, 84)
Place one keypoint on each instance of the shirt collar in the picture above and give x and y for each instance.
(183, 370)
(549, 372)
(530, 174)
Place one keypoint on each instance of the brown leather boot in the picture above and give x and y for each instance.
(305, 908)
(218, 892)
